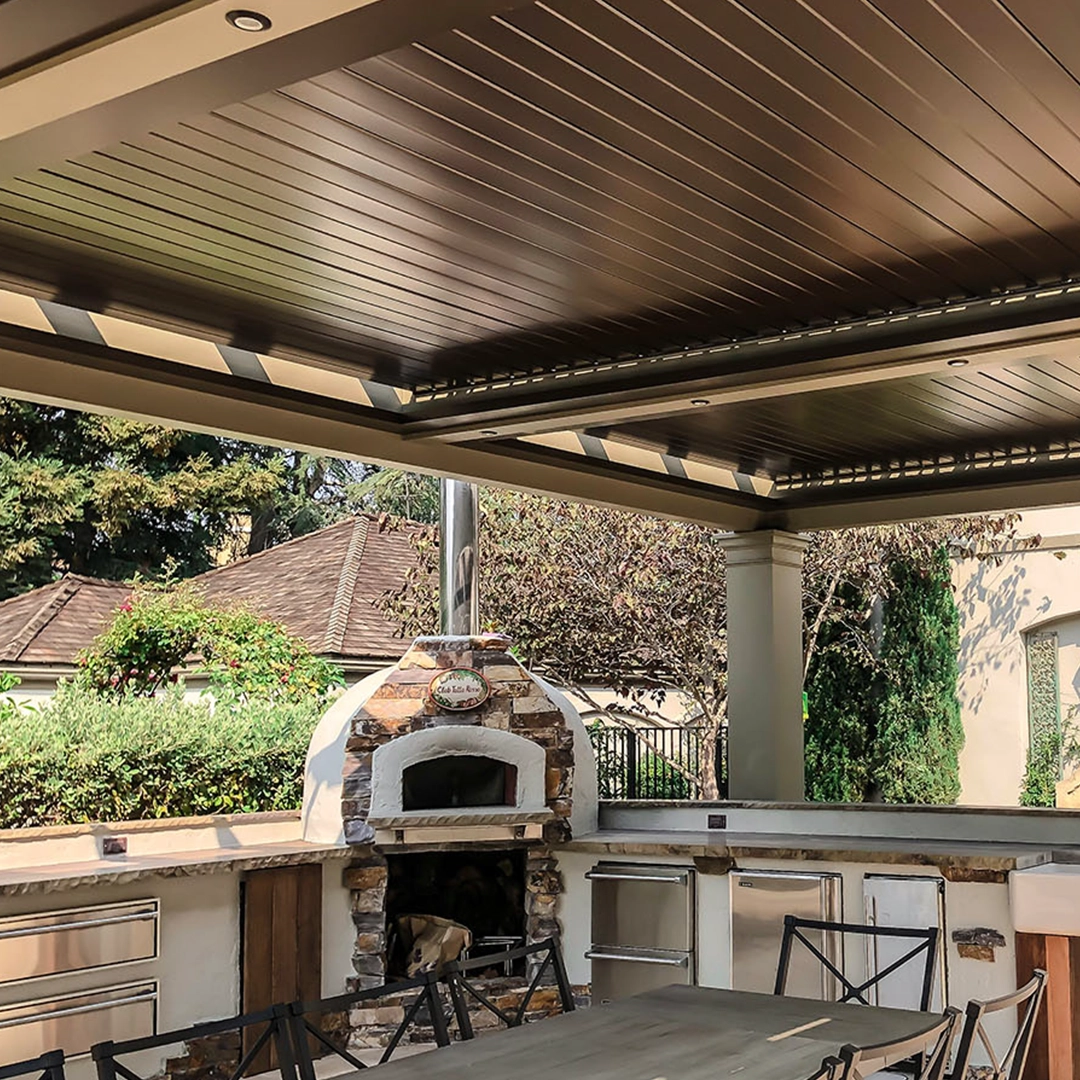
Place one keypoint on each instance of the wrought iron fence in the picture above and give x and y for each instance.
(655, 762)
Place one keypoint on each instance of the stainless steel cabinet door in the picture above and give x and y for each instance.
(620, 973)
(759, 901)
(649, 907)
(912, 901)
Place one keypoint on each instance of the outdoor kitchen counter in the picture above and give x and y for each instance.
(121, 869)
(956, 859)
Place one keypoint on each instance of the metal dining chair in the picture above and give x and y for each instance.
(928, 1049)
(265, 1029)
(462, 988)
(925, 948)
(412, 995)
(47, 1066)
(1011, 1065)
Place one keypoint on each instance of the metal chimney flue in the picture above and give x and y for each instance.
(459, 598)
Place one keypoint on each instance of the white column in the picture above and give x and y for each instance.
(764, 642)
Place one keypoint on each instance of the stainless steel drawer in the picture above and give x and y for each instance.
(74, 1022)
(623, 972)
(648, 907)
(55, 942)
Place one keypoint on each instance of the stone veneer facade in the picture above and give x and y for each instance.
(402, 706)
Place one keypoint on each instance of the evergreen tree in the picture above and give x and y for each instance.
(110, 498)
(920, 733)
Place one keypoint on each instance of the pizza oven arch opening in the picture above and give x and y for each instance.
(455, 769)
(458, 780)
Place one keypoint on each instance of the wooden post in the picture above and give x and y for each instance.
(1055, 1046)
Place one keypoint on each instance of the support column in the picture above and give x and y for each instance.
(764, 643)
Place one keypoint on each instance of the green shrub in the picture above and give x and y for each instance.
(658, 779)
(158, 629)
(85, 757)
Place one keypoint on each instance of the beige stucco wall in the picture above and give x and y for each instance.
(999, 604)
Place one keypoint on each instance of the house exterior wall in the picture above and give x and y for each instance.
(1034, 589)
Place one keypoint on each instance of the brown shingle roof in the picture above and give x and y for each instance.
(51, 624)
(323, 587)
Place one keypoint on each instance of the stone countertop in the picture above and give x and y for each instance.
(121, 869)
(958, 860)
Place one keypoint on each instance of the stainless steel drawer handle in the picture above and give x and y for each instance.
(54, 928)
(672, 879)
(666, 961)
(78, 1010)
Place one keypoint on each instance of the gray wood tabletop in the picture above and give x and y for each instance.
(678, 1033)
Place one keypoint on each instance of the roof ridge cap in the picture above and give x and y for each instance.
(338, 623)
(40, 619)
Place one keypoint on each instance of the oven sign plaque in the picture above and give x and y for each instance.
(459, 689)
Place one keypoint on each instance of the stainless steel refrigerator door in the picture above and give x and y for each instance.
(759, 901)
(647, 907)
(619, 973)
(904, 900)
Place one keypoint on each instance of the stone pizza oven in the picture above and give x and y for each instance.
(452, 775)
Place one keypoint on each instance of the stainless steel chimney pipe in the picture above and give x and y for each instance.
(459, 597)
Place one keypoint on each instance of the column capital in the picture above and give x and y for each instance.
(764, 546)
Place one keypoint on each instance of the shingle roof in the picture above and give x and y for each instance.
(324, 587)
(51, 624)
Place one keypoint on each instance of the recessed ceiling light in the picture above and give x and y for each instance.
(251, 21)
(699, 401)
(489, 432)
(958, 363)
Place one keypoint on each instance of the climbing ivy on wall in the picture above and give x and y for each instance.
(884, 720)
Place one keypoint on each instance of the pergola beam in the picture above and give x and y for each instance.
(38, 366)
(979, 333)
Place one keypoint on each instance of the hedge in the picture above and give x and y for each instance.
(84, 758)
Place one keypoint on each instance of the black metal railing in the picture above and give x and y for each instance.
(655, 762)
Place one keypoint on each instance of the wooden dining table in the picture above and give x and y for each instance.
(677, 1033)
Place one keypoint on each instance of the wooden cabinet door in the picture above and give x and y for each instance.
(281, 942)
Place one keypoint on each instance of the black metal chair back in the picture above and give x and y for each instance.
(925, 948)
(273, 1021)
(1010, 1066)
(48, 1066)
(304, 1031)
(462, 988)
(929, 1049)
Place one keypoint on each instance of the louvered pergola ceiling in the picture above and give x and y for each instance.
(753, 263)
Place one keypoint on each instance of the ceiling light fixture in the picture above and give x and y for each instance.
(489, 432)
(958, 363)
(250, 21)
(699, 401)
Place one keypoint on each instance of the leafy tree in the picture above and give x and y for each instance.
(400, 494)
(599, 597)
(111, 498)
(159, 630)
(315, 491)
